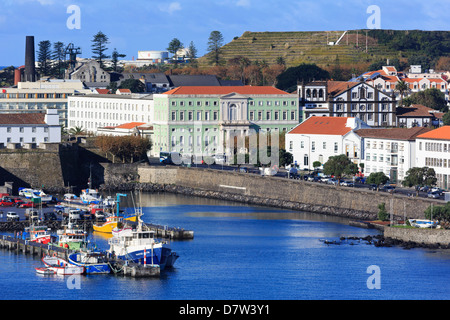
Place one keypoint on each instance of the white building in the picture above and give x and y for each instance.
(109, 110)
(391, 151)
(127, 129)
(319, 138)
(348, 99)
(30, 128)
(36, 97)
(433, 151)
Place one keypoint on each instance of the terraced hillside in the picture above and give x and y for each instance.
(306, 47)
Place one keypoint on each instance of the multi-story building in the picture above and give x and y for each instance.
(30, 128)
(433, 151)
(319, 138)
(348, 99)
(418, 115)
(391, 151)
(36, 97)
(91, 112)
(386, 80)
(203, 119)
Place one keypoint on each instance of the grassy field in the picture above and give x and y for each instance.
(307, 47)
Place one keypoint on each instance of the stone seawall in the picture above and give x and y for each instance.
(281, 192)
(426, 236)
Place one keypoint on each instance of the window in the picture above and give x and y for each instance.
(268, 115)
(335, 147)
(324, 145)
(313, 146)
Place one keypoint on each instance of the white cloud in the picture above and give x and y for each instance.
(170, 8)
(243, 3)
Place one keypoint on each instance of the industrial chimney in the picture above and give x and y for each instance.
(30, 70)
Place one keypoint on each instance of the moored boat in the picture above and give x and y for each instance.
(422, 223)
(72, 238)
(140, 245)
(44, 271)
(92, 261)
(89, 196)
(61, 266)
(38, 234)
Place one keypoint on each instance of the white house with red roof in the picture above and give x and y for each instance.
(433, 151)
(319, 138)
(141, 129)
(30, 128)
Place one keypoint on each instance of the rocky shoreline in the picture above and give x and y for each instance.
(382, 241)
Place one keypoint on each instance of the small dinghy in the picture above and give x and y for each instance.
(61, 266)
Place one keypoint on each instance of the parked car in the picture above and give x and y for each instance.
(12, 216)
(27, 204)
(373, 187)
(220, 159)
(6, 202)
(325, 179)
(424, 188)
(388, 188)
(333, 181)
(347, 183)
(434, 195)
(438, 190)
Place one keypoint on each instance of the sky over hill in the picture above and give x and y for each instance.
(135, 25)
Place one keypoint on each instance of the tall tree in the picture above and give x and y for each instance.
(339, 166)
(58, 55)
(99, 48)
(44, 57)
(173, 48)
(192, 53)
(402, 88)
(215, 42)
(115, 58)
(420, 177)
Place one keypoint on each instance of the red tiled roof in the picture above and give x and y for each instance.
(222, 90)
(415, 111)
(392, 133)
(22, 118)
(323, 125)
(337, 87)
(130, 125)
(442, 133)
(102, 91)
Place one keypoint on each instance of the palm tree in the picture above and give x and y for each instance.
(75, 131)
(402, 88)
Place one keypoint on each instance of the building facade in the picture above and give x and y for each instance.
(348, 99)
(91, 112)
(319, 138)
(391, 151)
(433, 151)
(30, 128)
(204, 120)
(36, 97)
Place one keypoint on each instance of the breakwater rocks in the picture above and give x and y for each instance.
(14, 226)
(382, 241)
(241, 198)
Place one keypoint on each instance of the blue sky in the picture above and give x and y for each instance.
(135, 25)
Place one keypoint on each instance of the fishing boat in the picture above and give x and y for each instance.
(89, 196)
(115, 221)
(422, 223)
(38, 234)
(35, 194)
(139, 245)
(71, 238)
(92, 261)
(61, 266)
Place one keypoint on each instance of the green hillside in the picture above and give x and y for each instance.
(357, 47)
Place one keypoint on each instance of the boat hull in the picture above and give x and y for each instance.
(61, 267)
(161, 255)
(108, 227)
(90, 268)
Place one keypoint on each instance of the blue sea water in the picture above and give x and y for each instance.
(244, 252)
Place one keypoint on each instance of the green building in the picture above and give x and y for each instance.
(202, 120)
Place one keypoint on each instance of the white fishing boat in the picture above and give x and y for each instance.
(61, 266)
(89, 196)
(422, 223)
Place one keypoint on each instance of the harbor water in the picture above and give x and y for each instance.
(242, 252)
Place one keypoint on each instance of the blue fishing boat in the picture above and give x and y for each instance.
(140, 246)
(92, 261)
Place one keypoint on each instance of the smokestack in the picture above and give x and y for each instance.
(30, 71)
(17, 76)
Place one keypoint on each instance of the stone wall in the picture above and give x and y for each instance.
(282, 192)
(427, 236)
